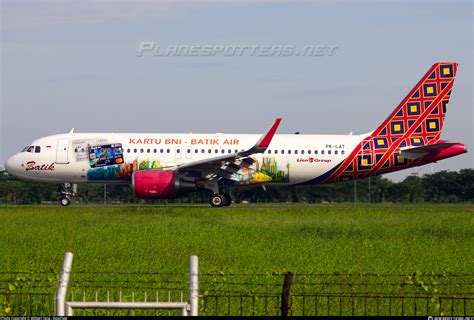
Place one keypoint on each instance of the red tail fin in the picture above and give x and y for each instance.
(420, 115)
(416, 121)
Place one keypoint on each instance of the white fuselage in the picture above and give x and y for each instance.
(293, 158)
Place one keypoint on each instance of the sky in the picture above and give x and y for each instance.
(75, 64)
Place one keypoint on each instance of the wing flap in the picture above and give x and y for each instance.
(230, 167)
(226, 174)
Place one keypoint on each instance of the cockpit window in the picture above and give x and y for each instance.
(32, 149)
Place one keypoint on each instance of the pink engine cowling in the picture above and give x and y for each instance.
(150, 184)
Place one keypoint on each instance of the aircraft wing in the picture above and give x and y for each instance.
(227, 165)
(416, 152)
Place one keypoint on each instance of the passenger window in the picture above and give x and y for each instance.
(322, 151)
(154, 150)
(203, 151)
(161, 150)
(329, 151)
(222, 151)
(309, 151)
(167, 150)
(147, 150)
(37, 149)
(209, 150)
(188, 150)
(128, 150)
(342, 152)
(134, 150)
(141, 150)
(296, 151)
(315, 151)
(276, 151)
(229, 151)
(289, 151)
(196, 150)
(269, 151)
(335, 151)
(282, 151)
(302, 151)
(178, 150)
(216, 151)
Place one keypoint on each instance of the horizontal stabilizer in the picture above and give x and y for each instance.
(416, 152)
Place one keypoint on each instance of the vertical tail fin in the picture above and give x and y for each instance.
(419, 117)
(416, 121)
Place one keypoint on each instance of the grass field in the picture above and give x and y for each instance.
(312, 239)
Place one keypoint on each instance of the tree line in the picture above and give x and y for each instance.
(443, 186)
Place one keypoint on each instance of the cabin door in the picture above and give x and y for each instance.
(62, 151)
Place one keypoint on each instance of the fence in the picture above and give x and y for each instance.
(339, 294)
(64, 307)
(248, 294)
(336, 305)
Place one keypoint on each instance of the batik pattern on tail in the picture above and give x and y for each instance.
(418, 120)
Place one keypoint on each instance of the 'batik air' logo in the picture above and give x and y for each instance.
(31, 165)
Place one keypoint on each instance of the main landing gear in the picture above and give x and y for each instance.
(65, 201)
(217, 199)
(220, 200)
(69, 191)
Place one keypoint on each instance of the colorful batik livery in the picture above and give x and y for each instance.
(418, 120)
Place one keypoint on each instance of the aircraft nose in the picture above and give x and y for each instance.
(9, 165)
(12, 166)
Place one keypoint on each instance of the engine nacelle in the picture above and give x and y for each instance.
(150, 184)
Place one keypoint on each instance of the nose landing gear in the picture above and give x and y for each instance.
(69, 191)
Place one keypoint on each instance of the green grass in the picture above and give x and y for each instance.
(309, 239)
(312, 239)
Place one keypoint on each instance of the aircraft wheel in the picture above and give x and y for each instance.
(217, 200)
(228, 199)
(65, 201)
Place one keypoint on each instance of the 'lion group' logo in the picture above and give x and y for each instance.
(312, 160)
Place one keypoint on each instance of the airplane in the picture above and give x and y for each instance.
(161, 166)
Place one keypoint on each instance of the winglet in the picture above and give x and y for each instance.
(265, 140)
(263, 143)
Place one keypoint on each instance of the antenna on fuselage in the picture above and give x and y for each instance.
(72, 131)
